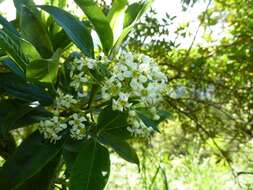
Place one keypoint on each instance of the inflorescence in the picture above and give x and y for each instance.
(134, 81)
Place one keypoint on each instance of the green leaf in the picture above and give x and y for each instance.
(14, 68)
(131, 20)
(120, 146)
(109, 119)
(33, 30)
(19, 4)
(30, 157)
(91, 168)
(74, 28)
(115, 16)
(11, 118)
(113, 122)
(44, 70)
(28, 49)
(11, 46)
(99, 21)
(131, 13)
(70, 152)
(7, 26)
(18, 88)
(61, 40)
(20, 50)
(44, 179)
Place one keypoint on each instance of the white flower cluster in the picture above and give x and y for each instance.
(52, 127)
(77, 74)
(78, 130)
(135, 78)
(134, 82)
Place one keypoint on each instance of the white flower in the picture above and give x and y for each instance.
(146, 59)
(142, 79)
(91, 63)
(78, 81)
(78, 130)
(77, 120)
(51, 128)
(132, 113)
(132, 65)
(144, 67)
(65, 101)
(122, 102)
(135, 85)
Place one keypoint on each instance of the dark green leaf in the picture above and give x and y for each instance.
(44, 179)
(100, 22)
(75, 29)
(120, 146)
(7, 26)
(11, 118)
(18, 88)
(19, 4)
(70, 152)
(114, 122)
(30, 157)
(14, 68)
(44, 70)
(33, 30)
(110, 119)
(91, 168)
(61, 40)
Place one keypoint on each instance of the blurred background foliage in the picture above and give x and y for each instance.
(207, 143)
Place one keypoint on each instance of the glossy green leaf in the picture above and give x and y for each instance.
(115, 15)
(44, 179)
(99, 21)
(18, 88)
(30, 158)
(44, 70)
(91, 168)
(74, 28)
(33, 30)
(120, 146)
